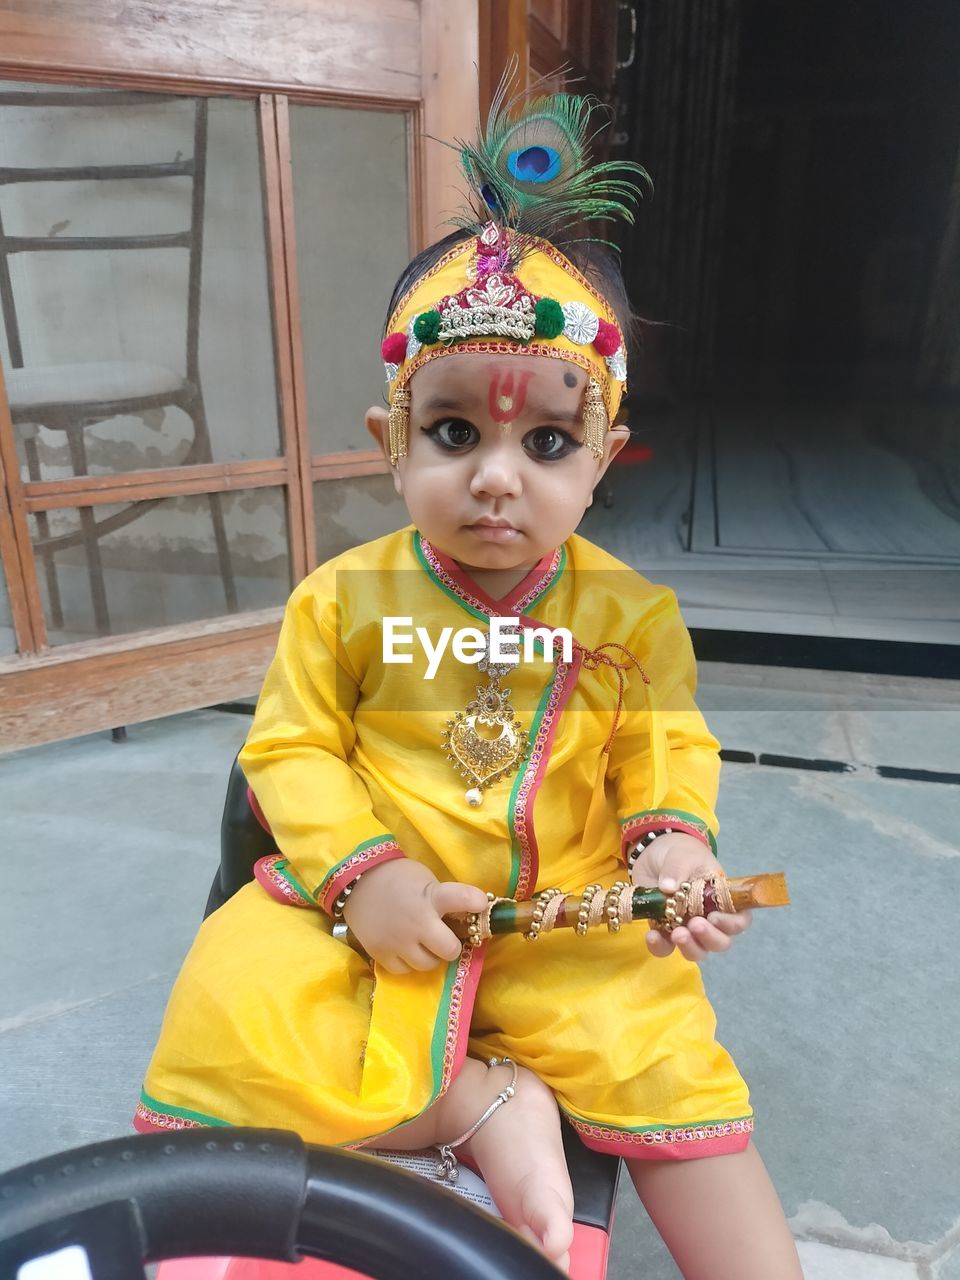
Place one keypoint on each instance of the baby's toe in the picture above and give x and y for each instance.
(549, 1217)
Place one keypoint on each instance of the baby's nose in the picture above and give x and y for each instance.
(497, 473)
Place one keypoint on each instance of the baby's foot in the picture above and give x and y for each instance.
(520, 1154)
(546, 1217)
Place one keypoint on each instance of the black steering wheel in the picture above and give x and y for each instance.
(254, 1193)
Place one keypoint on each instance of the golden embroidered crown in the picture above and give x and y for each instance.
(507, 288)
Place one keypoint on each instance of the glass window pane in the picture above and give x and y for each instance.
(156, 564)
(122, 358)
(350, 190)
(355, 510)
(8, 641)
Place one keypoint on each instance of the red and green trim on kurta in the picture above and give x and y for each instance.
(451, 579)
(640, 824)
(451, 1031)
(152, 1116)
(525, 856)
(274, 874)
(448, 1049)
(372, 853)
(665, 1141)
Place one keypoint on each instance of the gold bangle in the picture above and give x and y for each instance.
(583, 915)
(675, 909)
(474, 931)
(539, 907)
(612, 905)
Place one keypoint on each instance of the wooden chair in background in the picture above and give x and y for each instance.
(71, 398)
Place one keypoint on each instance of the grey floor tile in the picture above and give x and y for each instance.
(74, 1078)
(822, 1262)
(836, 1009)
(784, 724)
(922, 818)
(905, 735)
(118, 844)
(636, 1249)
(948, 1267)
(860, 719)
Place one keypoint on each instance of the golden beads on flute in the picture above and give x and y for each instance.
(475, 923)
(612, 904)
(541, 902)
(583, 914)
(675, 910)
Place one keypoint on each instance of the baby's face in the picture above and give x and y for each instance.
(496, 474)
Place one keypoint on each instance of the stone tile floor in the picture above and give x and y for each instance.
(842, 1011)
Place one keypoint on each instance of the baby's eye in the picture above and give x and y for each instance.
(453, 433)
(549, 443)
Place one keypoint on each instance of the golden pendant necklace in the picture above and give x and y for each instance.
(485, 742)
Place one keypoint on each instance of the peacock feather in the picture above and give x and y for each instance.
(532, 170)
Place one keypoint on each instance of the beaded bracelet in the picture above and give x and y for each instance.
(647, 838)
(342, 897)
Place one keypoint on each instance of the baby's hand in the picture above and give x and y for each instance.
(663, 865)
(396, 911)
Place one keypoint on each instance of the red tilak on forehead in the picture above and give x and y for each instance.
(507, 395)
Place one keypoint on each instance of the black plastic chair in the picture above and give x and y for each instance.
(243, 842)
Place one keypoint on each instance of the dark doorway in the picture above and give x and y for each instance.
(797, 399)
(847, 121)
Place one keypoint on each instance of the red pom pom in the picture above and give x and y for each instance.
(607, 340)
(394, 348)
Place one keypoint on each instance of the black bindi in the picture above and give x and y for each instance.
(570, 379)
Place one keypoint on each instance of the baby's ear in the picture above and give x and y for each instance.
(616, 438)
(377, 423)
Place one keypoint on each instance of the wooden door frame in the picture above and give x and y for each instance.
(512, 29)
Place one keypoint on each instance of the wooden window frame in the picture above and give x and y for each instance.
(228, 653)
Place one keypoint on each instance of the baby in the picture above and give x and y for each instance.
(406, 782)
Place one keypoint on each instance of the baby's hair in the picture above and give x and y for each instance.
(419, 266)
(592, 258)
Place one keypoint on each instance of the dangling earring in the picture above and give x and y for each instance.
(595, 420)
(398, 421)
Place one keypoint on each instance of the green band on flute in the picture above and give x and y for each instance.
(503, 917)
(648, 904)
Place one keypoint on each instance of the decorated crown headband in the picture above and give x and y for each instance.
(507, 288)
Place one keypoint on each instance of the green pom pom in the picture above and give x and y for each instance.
(550, 318)
(427, 326)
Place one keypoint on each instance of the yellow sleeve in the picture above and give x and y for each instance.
(664, 761)
(296, 758)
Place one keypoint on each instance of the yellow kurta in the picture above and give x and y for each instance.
(273, 1022)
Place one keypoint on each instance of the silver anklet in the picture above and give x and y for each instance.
(447, 1167)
